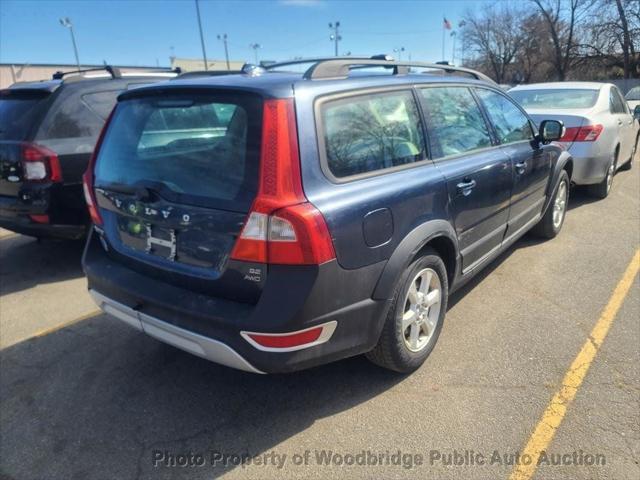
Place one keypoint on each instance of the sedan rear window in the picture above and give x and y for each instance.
(556, 98)
(195, 149)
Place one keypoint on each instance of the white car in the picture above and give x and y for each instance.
(601, 132)
(633, 98)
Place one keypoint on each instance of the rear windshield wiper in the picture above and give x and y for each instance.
(143, 190)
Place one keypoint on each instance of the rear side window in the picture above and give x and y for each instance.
(510, 123)
(556, 98)
(371, 132)
(456, 124)
(18, 113)
(196, 149)
(78, 115)
(616, 104)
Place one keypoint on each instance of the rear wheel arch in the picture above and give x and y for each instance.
(438, 235)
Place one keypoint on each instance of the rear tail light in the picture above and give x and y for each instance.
(39, 218)
(291, 341)
(39, 164)
(585, 133)
(282, 227)
(88, 177)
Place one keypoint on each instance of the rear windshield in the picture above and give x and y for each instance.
(196, 149)
(558, 98)
(18, 113)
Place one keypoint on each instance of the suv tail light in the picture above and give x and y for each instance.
(88, 177)
(282, 227)
(585, 133)
(39, 164)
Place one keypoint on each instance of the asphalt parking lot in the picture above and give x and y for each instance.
(83, 396)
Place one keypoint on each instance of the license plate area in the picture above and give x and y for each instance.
(148, 238)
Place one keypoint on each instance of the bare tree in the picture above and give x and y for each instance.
(495, 36)
(563, 19)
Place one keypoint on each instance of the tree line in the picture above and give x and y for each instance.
(542, 40)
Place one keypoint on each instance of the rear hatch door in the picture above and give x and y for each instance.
(175, 178)
(20, 113)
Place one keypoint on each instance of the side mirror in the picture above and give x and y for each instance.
(636, 112)
(551, 130)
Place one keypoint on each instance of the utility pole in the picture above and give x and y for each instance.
(399, 51)
(335, 36)
(223, 37)
(204, 51)
(255, 47)
(66, 22)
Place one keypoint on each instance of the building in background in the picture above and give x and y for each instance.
(11, 73)
(197, 65)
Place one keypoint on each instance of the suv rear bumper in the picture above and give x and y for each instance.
(191, 342)
(24, 225)
(294, 298)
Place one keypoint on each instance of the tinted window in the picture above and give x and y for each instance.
(556, 98)
(616, 104)
(19, 112)
(180, 144)
(372, 132)
(510, 123)
(456, 124)
(101, 102)
(73, 117)
(633, 94)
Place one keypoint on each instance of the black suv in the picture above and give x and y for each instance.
(273, 221)
(47, 133)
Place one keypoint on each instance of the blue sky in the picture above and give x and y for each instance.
(146, 32)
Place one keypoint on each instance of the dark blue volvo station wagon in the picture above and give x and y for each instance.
(272, 221)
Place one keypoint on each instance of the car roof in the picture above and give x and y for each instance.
(277, 84)
(561, 85)
(85, 80)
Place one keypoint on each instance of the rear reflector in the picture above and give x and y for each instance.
(288, 342)
(282, 227)
(39, 218)
(39, 164)
(585, 133)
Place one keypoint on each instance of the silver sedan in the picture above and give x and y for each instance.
(601, 132)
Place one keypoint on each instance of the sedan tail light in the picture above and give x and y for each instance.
(585, 133)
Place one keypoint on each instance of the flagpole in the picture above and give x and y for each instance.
(443, 40)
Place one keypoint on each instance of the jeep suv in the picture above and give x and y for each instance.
(273, 221)
(47, 133)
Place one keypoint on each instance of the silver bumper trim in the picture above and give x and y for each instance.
(194, 343)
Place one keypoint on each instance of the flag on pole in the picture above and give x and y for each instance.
(446, 23)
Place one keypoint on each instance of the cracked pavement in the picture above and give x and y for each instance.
(94, 399)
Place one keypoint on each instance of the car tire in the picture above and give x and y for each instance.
(551, 223)
(629, 164)
(415, 316)
(601, 190)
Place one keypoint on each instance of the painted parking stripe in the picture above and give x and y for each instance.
(557, 408)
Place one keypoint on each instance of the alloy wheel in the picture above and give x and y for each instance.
(422, 309)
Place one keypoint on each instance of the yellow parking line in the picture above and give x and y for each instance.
(47, 331)
(553, 415)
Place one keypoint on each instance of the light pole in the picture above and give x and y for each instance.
(204, 51)
(335, 36)
(399, 51)
(66, 22)
(255, 47)
(223, 37)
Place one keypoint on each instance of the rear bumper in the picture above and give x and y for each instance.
(294, 298)
(191, 342)
(589, 163)
(20, 223)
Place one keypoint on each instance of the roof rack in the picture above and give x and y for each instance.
(111, 70)
(339, 67)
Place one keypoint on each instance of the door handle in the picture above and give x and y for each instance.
(520, 166)
(619, 122)
(465, 187)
